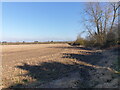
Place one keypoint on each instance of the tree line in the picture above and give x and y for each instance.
(102, 25)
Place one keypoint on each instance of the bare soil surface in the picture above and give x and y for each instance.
(57, 66)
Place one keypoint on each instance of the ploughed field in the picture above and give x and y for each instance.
(53, 65)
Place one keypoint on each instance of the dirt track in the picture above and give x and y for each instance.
(23, 64)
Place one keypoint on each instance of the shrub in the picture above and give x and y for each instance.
(79, 41)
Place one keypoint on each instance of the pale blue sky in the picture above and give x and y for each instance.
(42, 21)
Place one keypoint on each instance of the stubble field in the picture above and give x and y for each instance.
(40, 65)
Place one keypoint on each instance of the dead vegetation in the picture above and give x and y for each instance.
(58, 65)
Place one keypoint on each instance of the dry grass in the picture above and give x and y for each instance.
(25, 64)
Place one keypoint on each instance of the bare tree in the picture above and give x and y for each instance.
(115, 14)
(100, 18)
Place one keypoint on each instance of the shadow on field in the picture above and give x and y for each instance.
(88, 58)
(49, 71)
(73, 47)
(45, 72)
(52, 71)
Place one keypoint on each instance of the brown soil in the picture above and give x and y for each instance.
(57, 66)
